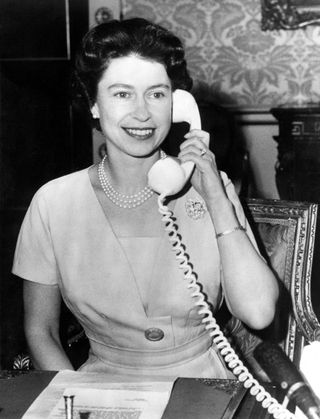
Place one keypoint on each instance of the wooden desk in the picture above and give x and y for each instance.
(19, 389)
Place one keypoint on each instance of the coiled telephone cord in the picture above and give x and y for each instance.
(230, 357)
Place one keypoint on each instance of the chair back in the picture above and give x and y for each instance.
(285, 232)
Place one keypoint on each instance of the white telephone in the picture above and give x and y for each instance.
(167, 177)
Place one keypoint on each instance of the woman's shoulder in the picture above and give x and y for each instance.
(64, 187)
(67, 179)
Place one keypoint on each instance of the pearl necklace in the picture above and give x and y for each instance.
(121, 200)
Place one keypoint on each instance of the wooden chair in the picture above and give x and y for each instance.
(285, 232)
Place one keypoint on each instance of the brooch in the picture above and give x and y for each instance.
(196, 208)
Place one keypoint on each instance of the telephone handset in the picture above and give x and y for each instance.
(167, 177)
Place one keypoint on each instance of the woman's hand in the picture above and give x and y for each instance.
(206, 178)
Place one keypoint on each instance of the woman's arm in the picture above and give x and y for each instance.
(250, 288)
(41, 324)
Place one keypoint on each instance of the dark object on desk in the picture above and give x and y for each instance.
(18, 389)
(282, 371)
(203, 399)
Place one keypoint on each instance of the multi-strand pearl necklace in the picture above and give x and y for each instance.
(119, 199)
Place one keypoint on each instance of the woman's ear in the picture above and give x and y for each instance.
(95, 112)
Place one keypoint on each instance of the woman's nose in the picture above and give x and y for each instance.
(141, 110)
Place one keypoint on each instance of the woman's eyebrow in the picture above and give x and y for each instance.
(122, 85)
(128, 86)
(160, 85)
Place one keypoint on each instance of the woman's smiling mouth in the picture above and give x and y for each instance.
(141, 133)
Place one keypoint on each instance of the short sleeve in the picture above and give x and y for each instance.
(34, 257)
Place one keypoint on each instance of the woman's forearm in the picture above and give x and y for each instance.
(250, 288)
(41, 326)
(47, 352)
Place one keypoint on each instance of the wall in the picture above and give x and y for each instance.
(231, 59)
(41, 137)
(237, 65)
(258, 132)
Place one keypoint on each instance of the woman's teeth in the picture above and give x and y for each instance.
(139, 132)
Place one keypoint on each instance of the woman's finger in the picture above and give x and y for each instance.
(197, 147)
(200, 135)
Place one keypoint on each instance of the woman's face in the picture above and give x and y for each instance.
(134, 105)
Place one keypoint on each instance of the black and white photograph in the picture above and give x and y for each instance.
(159, 209)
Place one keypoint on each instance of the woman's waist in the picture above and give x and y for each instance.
(142, 357)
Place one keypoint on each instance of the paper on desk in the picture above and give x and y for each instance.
(83, 382)
(109, 404)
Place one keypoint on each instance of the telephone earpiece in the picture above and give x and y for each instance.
(167, 176)
(185, 108)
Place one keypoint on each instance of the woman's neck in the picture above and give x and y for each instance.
(129, 175)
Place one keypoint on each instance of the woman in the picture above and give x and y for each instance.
(95, 237)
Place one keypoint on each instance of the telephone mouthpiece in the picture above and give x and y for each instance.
(166, 177)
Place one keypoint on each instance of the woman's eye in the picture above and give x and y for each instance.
(122, 95)
(157, 95)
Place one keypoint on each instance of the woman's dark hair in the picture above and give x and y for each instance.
(116, 39)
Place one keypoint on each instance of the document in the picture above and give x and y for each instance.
(110, 404)
(101, 396)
